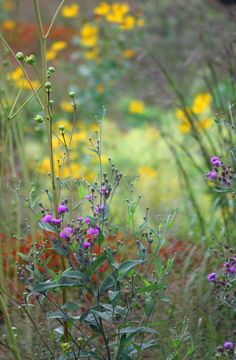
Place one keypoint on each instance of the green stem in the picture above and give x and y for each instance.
(11, 335)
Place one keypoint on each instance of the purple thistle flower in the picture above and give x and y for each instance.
(47, 219)
(62, 209)
(228, 345)
(56, 221)
(88, 197)
(212, 175)
(65, 233)
(80, 218)
(215, 161)
(87, 220)
(99, 209)
(93, 231)
(212, 277)
(86, 244)
(232, 270)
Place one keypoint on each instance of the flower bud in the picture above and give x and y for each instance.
(30, 59)
(38, 118)
(72, 94)
(20, 56)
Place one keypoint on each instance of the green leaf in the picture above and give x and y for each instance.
(126, 266)
(46, 227)
(98, 262)
(109, 282)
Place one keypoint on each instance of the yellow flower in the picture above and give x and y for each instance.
(128, 23)
(58, 45)
(100, 88)
(140, 22)
(128, 53)
(16, 74)
(70, 11)
(181, 114)
(118, 11)
(185, 127)
(201, 103)
(44, 166)
(102, 9)
(91, 54)
(8, 24)
(65, 347)
(27, 86)
(205, 123)
(80, 136)
(147, 171)
(88, 35)
(8, 5)
(51, 55)
(66, 106)
(136, 107)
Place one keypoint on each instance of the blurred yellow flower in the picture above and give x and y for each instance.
(128, 53)
(185, 127)
(58, 45)
(140, 22)
(27, 86)
(66, 106)
(89, 34)
(51, 55)
(147, 171)
(201, 103)
(70, 11)
(204, 124)
(8, 24)
(102, 9)
(136, 107)
(8, 5)
(16, 74)
(100, 88)
(128, 23)
(117, 13)
(182, 114)
(91, 54)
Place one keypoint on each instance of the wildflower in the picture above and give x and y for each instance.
(66, 106)
(105, 191)
(99, 209)
(8, 24)
(56, 221)
(91, 54)
(70, 11)
(86, 244)
(228, 345)
(215, 161)
(128, 23)
(87, 220)
(58, 46)
(51, 55)
(89, 34)
(128, 53)
(185, 127)
(62, 209)
(212, 175)
(65, 233)
(147, 171)
(117, 13)
(205, 124)
(201, 103)
(212, 277)
(93, 231)
(102, 9)
(232, 270)
(47, 219)
(88, 197)
(136, 107)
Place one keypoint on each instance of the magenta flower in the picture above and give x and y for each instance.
(87, 220)
(93, 232)
(65, 233)
(232, 270)
(56, 221)
(99, 209)
(86, 244)
(62, 209)
(228, 345)
(47, 219)
(212, 175)
(88, 197)
(215, 161)
(212, 277)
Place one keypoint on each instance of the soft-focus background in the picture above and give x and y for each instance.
(160, 75)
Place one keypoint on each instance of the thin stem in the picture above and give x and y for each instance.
(53, 19)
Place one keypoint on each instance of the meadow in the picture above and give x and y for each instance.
(117, 163)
